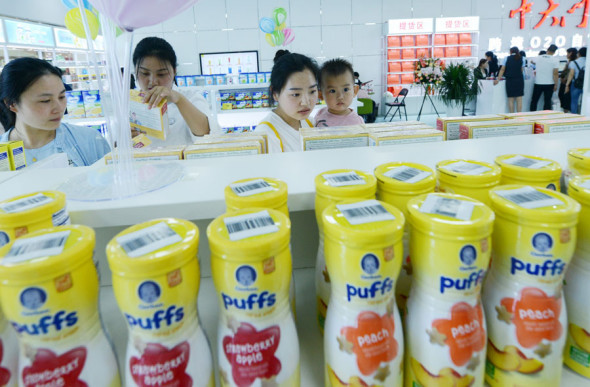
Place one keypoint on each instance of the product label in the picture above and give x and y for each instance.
(372, 341)
(466, 168)
(40, 246)
(50, 369)
(527, 162)
(249, 225)
(160, 366)
(315, 143)
(4, 372)
(60, 218)
(529, 197)
(252, 353)
(407, 174)
(463, 333)
(344, 179)
(454, 208)
(250, 188)
(25, 204)
(505, 130)
(367, 211)
(147, 240)
(535, 316)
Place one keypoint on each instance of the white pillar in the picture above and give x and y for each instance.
(586, 93)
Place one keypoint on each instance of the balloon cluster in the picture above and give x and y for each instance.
(274, 28)
(74, 22)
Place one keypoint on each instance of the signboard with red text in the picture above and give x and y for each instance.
(457, 24)
(410, 26)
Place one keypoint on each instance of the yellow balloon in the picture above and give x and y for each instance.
(282, 26)
(270, 40)
(74, 23)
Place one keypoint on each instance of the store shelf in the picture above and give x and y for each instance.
(234, 111)
(403, 60)
(402, 72)
(404, 47)
(455, 45)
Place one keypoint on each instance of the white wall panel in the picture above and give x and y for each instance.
(367, 11)
(396, 9)
(185, 46)
(242, 14)
(428, 8)
(182, 22)
(487, 9)
(452, 8)
(307, 41)
(336, 12)
(242, 40)
(305, 13)
(336, 40)
(210, 15)
(367, 40)
(265, 7)
(212, 41)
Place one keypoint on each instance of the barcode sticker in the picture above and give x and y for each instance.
(249, 225)
(454, 208)
(45, 245)
(149, 239)
(367, 211)
(60, 218)
(466, 168)
(251, 187)
(407, 174)
(344, 179)
(25, 203)
(527, 162)
(528, 197)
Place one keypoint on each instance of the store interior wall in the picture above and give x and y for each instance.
(324, 29)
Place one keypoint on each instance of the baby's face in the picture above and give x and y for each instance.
(32, 299)
(468, 254)
(543, 243)
(338, 92)
(245, 276)
(370, 265)
(148, 292)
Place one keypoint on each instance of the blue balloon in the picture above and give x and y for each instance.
(74, 4)
(267, 25)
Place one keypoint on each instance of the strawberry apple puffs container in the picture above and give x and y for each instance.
(577, 285)
(49, 293)
(363, 339)
(446, 330)
(534, 240)
(257, 341)
(156, 283)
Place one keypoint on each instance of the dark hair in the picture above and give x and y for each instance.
(552, 48)
(582, 52)
(542, 52)
(16, 77)
(482, 61)
(279, 54)
(514, 50)
(491, 55)
(335, 67)
(573, 52)
(356, 74)
(156, 47)
(522, 53)
(287, 65)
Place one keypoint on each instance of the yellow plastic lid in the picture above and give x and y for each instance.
(46, 254)
(450, 215)
(405, 178)
(468, 173)
(363, 222)
(264, 192)
(345, 183)
(550, 170)
(579, 189)
(525, 204)
(579, 158)
(249, 234)
(30, 208)
(152, 248)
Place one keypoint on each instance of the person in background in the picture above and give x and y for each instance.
(357, 81)
(132, 85)
(493, 66)
(566, 98)
(512, 69)
(481, 71)
(155, 65)
(33, 103)
(574, 74)
(523, 56)
(338, 90)
(294, 87)
(543, 52)
(547, 74)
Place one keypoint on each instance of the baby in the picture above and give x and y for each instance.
(337, 83)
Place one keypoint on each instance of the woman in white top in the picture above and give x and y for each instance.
(294, 85)
(155, 65)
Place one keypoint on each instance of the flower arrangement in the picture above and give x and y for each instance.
(429, 71)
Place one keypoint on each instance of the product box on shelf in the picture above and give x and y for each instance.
(561, 125)
(394, 54)
(408, 136)
(240, 95)
(75, 104)
(393, 79)
(210, 150)
(15, 155)
(499, 128)
(393, 41)
(256, 95)
(240, 104)
(92, 104)
(422, 53)
(465, 38)
(242, 134)
(181, 80)
(408, 66)
(243, 79)
(153, 154)
(333, 137)
(450, 125)
(4, 158)
(220, 79)
(383, 126)
(409, 53)
(224, 95)
(153, 122)
(451, 39)
(526, 114)
(394, 67)
(256, 103)
(408, 41)
(260, 78)
(209, 80)
(451, 52)
(439, 39)
(439, 52)
(407, 79)
(422, 40)
(140, 141)
(190, 80)
(464, 51)
(249, 104)
(265, 102)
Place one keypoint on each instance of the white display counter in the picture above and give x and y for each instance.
(198, 196)
(493, 100)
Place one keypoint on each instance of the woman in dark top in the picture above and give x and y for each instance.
(493, 66)
(566, 98)
(513, 72)
(481, 71)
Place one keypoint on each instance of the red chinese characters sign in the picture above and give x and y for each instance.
(552, 11)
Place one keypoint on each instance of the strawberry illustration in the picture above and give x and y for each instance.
(4, 372)
(160, 366)
(50, 369)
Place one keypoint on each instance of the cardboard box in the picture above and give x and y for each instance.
(394, 67)
(92, 104)
(409, 53)
(211, 150)
(252, 77)
(450, 125)
(452, 39)
(153, 122)
(180, 80)
(439, 39)
(408, 41)
(395, 126)
(333, 137)
(408, 66)
(16, 154)
(562, 125)
(394, 54)
(393, 41)
(75, 104)
(262, 139)
(527, 114)
(153, 154)
(499, 128)
(410, 136)
(407, 79)
(393, 79)
(140, 141)
(260, 78)
(422, 40)
(4, 158)
(422, 53)
(451, 52)
(439, 52)
(465, 51)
